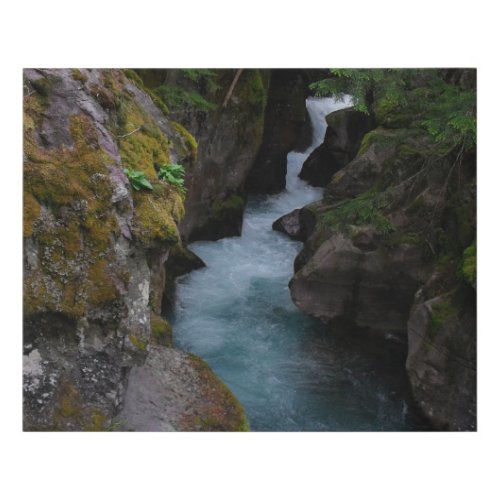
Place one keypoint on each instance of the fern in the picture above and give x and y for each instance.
(364, 209)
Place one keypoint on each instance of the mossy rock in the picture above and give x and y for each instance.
(469, 265)
(161, 331)
(233, 203)
(223, 412)
(156, 214)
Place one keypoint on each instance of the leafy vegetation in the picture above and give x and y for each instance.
(469, 264)
(176, 97)
(138, 179)
(446, 110)
(364, 209)
(173, 174)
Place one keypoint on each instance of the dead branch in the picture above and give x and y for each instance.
(231, 87)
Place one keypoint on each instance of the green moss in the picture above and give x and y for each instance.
(78, 75)
(147, 144)
(397, 238)
(161, 331)
(366, 208)
(31, 210)
(155, 214)
(138, 343)
(189, 141)
(234, 203)
(441, 311)
(138, 81)
(42, 87)
(469, 265)
(101, 289)
(223, 412)
(76, 180)
(367, 141)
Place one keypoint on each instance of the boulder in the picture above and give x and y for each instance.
(345, 131)
(370, 288)
(289, 224)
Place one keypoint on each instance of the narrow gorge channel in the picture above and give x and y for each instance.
(287, 369)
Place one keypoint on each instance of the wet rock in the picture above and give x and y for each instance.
(345, 131)
(284, 121)
(289, 224)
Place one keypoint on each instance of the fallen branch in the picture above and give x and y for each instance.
(130, 133)
(231, 87)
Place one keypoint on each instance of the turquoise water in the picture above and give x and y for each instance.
(287, 369)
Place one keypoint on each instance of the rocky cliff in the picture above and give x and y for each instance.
(391, 248)
(94, 258)
(228, 133)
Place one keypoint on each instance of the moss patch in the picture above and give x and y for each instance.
(234, 203)
(156, 214)
(442, 310)
(222, 412)
(138, 343)
(73, 183)
(161, 331)
(189, 142)
(469, 265)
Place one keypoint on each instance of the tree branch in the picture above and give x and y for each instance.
(231, 87)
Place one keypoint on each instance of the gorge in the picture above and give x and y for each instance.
(376, 330)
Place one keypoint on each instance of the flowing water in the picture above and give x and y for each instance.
(289, 371)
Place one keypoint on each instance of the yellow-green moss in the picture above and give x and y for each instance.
(101, 289)
(154, 214)
(146, 145)
(222, 411)
(469, 265)
(232, 203)
(138, 81)
(75, 179)
(189, 141)
(442, 310)
(161, 331)
(140, 344)
(31, 210)
(78, 75)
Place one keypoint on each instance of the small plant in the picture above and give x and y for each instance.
(173, 174)
(138, 179)
(364, 209)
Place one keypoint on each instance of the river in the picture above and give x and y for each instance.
(289, 371)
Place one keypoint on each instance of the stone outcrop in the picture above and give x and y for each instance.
(227, 141)
(441, 361)
(346, 128)
(94, 248)
(391, 248)
(346, 280)
(175, 391)
(285, 120)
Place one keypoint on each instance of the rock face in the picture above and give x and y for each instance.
(177, 391)
(342, 281)
(94, 248)
(441, 360)
(227, 140)
(346, 128)
(392, 250)
(285, 118)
